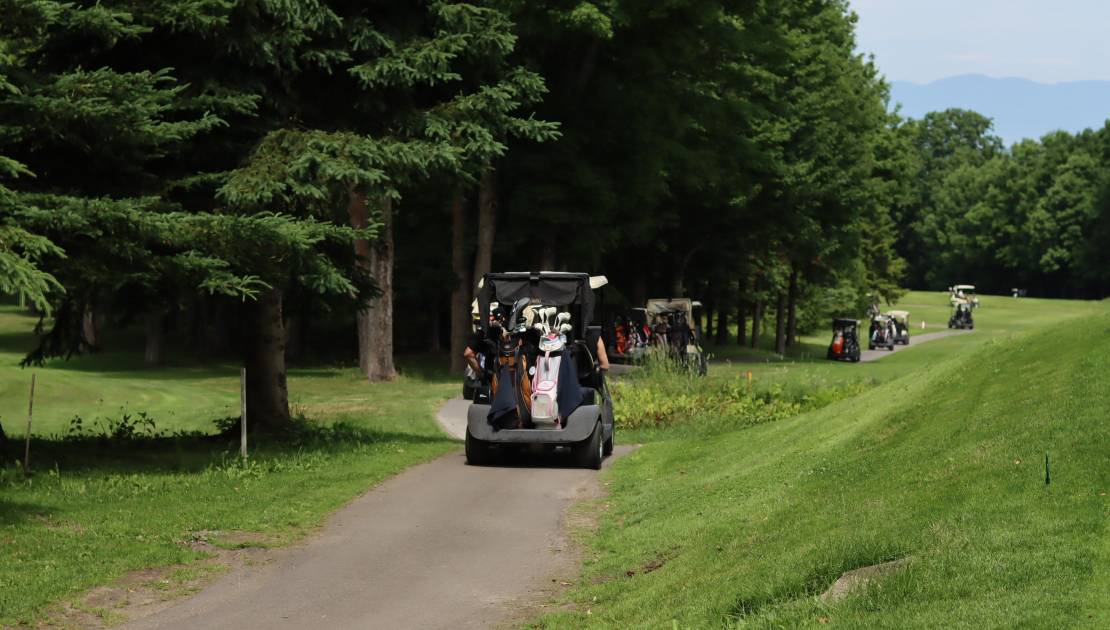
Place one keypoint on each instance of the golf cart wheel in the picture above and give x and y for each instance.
(607, 445)
(855, 357)
(592, 450)
(477, 452)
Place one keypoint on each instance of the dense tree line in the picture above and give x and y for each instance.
(328, 179)
(1035, 216)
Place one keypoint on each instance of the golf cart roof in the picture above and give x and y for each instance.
(658, 306)
(546, 287)
(843, 321)
(898, 314)
(964, 287)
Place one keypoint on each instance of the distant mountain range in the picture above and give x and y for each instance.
(1020, 108)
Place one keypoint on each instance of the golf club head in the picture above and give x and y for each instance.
(562, 318)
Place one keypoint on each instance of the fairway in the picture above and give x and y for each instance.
(805, 365)
(942, 465)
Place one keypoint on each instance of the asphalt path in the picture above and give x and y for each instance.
(441, 545)
(875, 355)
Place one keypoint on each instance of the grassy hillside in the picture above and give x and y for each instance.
(944, 467)
(805, 364)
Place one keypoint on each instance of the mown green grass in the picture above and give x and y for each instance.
(944, 466)
(805, 368)
(97, 509)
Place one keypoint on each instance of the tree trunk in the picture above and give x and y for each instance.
(435, 344)
(709, 311)
(267, 391)
(757, 321)
(487, 224)
(722, 326)
(460, 296)
(359, 215)
(89, 329)
(379, 366)
(780, 323)
(375, 317)
(741, 324)
(155, 337)
(547, 256)
(792, 309)
(639, 290)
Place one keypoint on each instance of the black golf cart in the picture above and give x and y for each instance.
(674, 327)
(901, 320)
(845, 341)
(961, 316)
(587, 429)
(882, 333)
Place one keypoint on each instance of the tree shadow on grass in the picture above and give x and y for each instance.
(191, 454)
(16, 512)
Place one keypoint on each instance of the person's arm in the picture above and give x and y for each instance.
(602, 356)
(472, 359)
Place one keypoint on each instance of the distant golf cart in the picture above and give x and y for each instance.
(673, 326)
(961, 316)
(845, 341)
(548, 390)
(901, 321)
(882, 333)
(632, 336)
(964, 292)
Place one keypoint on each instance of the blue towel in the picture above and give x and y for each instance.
(504, 401)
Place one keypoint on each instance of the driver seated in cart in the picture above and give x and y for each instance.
(481, 349)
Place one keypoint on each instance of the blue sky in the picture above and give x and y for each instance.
(1044, 40)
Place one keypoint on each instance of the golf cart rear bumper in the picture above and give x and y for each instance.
(580, 425)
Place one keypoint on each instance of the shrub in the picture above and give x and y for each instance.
(657, 398)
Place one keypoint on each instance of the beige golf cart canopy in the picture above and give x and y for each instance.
(902, 315)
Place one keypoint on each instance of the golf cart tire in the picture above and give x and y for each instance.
(855, 357)
(478, 453)
(591, 452)
(607, 445)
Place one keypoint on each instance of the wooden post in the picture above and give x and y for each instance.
(243, 413)
(749, 381)
(30, 414)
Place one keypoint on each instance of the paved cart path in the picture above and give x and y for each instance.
(875, 355)
(442, 545)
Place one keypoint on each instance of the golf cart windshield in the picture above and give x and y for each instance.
(571, 290)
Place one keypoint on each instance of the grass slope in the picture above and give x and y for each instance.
(944, 467)
(805, 364)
